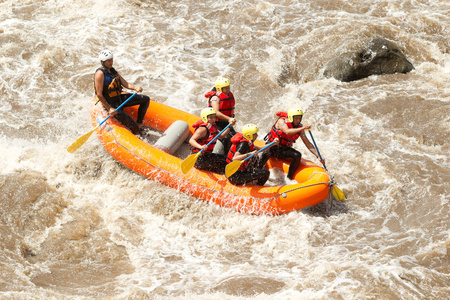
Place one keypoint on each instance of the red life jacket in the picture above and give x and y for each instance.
(285, 140)
(226, 103)
(236, 140)
(211, 133)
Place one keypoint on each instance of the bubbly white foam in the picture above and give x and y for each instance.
(384, 138)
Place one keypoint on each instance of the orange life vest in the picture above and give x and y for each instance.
(285, 140)
(226, 102)
(236, 140)
(211, 133)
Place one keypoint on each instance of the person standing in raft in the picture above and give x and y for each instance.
(242, 147)
(222, 100)
(288, 128)
(205, 131)
(108, 85)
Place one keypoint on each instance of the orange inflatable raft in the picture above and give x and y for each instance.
(149, 158)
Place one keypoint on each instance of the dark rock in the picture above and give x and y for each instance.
(377, 57)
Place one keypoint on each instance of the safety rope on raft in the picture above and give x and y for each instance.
(283, 194)
(329, 183)
(179, 178)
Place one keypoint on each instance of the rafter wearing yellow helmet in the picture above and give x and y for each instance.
(222, 100)
(222, 82)
(288, 128)
(208, 111)
(242, 168)
(202, 144)
(294, 112)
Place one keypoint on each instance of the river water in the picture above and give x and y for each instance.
(81, 226)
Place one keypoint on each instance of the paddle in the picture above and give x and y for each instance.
(189, 162)
(233, 166)
(81, 140)
(337, 193)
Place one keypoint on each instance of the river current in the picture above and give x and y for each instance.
(82, 226)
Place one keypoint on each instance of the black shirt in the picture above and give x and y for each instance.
(243, 147)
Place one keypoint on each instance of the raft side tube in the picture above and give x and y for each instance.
(173, 137)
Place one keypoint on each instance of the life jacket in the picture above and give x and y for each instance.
(211, 133)
(285, 140)
(236, 140)
(112, 87)
(226, 102)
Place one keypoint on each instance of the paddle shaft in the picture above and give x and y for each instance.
(260, 150)
(81, 140)
(234, 166)
(189, 162)
(315, 145)
(216, 137)
(337, 193)
(120, 106)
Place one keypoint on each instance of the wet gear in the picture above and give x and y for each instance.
(236, 141)
(226, 107)
(112, 87)
(211, 132)
(112, 92)
(226, 102)
(142, 100)
(247, 173)
(283, 153)
(212, 162)
(285, 140)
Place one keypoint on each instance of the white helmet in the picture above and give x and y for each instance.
(105, 55)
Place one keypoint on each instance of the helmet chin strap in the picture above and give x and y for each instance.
(103, 65)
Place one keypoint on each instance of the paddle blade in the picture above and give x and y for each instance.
(189, 162)
(338, 194)
(232, 167)
(80, 141)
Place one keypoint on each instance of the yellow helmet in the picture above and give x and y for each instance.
(221, 82)
(249, 130)
(206, 112)
(294, 112)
